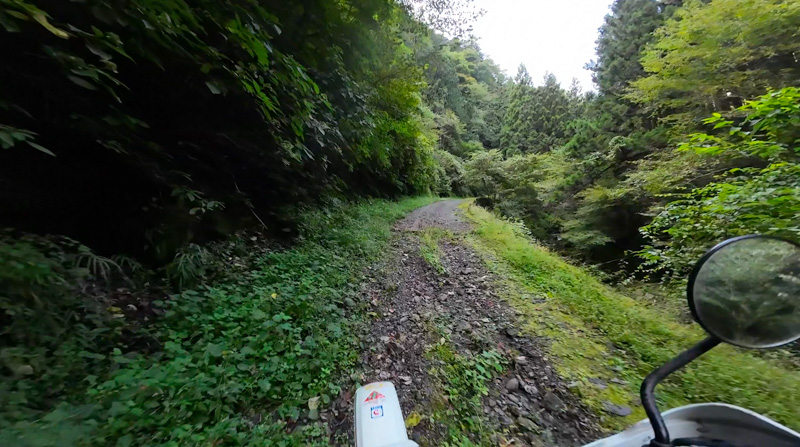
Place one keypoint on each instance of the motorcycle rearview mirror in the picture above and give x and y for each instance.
(745, 291)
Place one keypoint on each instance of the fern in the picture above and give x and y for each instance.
(127, 263)
(98, 266)
(188, 266)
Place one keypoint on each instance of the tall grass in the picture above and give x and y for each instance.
(596, 332)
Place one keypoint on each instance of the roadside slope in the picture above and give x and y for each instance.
(605, 343)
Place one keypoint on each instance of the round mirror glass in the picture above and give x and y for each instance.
(746, 291)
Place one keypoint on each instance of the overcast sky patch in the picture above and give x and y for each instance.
(546, 35)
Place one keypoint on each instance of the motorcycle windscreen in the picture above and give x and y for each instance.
(739, 426)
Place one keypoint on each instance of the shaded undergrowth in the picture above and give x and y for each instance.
(238, 359)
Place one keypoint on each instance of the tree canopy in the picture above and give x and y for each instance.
(712, 55)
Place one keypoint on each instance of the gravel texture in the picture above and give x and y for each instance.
(530, 405)
(444, 214)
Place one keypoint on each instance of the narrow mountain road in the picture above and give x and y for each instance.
(453, 348)
(444, 214)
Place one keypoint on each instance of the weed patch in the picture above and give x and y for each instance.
(598, 333)
(429, 248)
(463, 384)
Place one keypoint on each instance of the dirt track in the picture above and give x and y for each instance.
(442, 214)
(420, 308)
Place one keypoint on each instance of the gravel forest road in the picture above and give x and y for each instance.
(429, 326)
(444, 214)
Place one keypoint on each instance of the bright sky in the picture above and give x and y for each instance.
(546, 35)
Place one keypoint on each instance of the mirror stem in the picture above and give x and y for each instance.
(647, 391)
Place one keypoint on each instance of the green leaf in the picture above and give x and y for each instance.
(42, 19)
(215, 89)
(6, 140)
(98, 52)
(280, 317)
(214, 349)
(40, 148)
(8, 24)
(83, 83)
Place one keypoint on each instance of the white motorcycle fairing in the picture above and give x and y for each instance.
(736, 425)
(378, 418)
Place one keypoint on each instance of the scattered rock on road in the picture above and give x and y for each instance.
(512, 384)
(599, 383)
(418, 308)
(617, 410)
(527, 424)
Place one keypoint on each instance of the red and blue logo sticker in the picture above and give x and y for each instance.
(374, 397)
(376, 412)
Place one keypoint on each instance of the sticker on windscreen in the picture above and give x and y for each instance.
(374, 397)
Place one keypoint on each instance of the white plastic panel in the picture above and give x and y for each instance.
(739, 426)
(379, 419)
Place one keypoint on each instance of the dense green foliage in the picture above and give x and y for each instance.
(237, 361)
(608, 163)
(758, 199)
(589, 142)
(371, 102)
(180, 123)
(713, 54)
(626, 31)
(151, 146)
(537, 117)
(464, 93)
